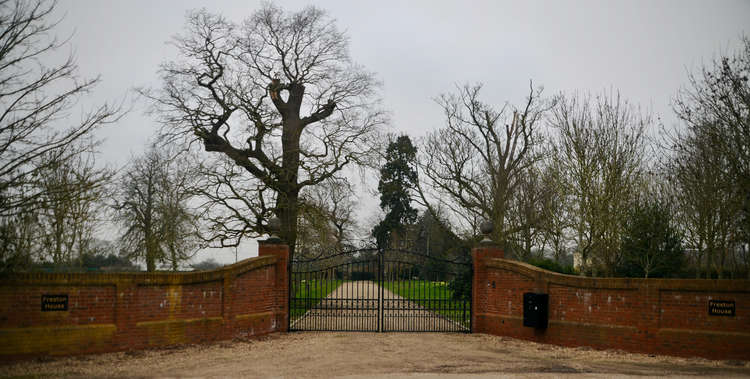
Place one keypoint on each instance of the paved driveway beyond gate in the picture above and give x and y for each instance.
(344, 307)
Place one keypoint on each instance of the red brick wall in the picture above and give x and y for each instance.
(20, 307)
(663, 316)
(113, 312)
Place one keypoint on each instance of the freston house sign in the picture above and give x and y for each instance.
(721, 308)
(52, 303)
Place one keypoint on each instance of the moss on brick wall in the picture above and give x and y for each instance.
(666, 316)
(124, 311)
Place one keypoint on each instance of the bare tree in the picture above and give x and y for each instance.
(152, 209)
(233, 204)
(71, 210)
(60, 227)
(277, 95)
(327, 222)
(710, 162)
(18, 241)
(529, 208)
(34, 101)
(36, 132)
(600, 149)
(555, 220)
(473, 165)
(180, 225)
(708, 202)
(340, 205)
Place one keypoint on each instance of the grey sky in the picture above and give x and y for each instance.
(420, 49)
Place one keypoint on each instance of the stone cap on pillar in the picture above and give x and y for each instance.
(274, 225)
(487, 227)
(273, 245)
(487, 248)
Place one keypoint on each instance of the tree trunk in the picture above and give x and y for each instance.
(148, 233)
(287, 202)
(173, 253)
(150, 248)
(287, 211)
(150, 262)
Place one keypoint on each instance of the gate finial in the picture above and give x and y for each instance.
(487, 227)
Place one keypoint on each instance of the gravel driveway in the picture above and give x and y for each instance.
(376, 355)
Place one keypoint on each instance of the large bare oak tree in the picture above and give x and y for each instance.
(277, 95)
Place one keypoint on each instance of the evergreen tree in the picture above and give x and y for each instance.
(651, 246)
(397, 179)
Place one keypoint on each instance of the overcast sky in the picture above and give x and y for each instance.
(420, 49)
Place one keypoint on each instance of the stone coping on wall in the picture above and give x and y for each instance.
(653, 317)
(123, 320)
(549, 277)
(136, 278)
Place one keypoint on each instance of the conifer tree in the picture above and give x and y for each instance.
(398, 177)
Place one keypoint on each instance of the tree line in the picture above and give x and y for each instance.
(270, 117)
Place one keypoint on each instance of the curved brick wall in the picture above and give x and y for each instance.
(664, 316)
(124, 311)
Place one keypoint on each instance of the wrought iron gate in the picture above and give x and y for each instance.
(380, 291)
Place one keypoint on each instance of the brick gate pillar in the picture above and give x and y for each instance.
(487, 249)
(276, 247)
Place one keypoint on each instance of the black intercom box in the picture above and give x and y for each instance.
(535, 309)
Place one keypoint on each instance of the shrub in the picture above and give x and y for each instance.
(551, 265)
(651, 246)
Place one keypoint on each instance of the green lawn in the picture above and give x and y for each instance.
(435, 296)
(420, 289)
(308, 293)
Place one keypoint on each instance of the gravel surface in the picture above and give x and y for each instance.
(380, 355)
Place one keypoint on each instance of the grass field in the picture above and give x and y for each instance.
(435, 296)
(308, 293)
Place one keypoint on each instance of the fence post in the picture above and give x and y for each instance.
(480, 284)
